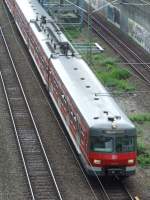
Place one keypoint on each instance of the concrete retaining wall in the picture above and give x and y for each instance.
(131, 16)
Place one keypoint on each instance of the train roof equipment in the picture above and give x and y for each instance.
(94, 102)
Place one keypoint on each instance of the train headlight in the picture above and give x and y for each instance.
(130, 161)
(97, 162)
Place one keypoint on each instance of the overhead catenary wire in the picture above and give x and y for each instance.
(133, 63)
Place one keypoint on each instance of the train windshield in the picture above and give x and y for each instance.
(125, 144)
(102, 144)
(118, 144)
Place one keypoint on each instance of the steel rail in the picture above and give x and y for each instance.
(121, 42)
(120, 187)
(130, 196)
(17, 137)
(123, 56)
(118, 51)
(31, 115)
(125, 188)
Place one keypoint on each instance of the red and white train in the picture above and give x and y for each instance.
(103, 136)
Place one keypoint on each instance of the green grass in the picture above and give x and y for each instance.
(143, 155)
(140, 118)
(72, 32)
(109, 62)
(139, 130)
(115, 77)
(101, 60)
(120, 74)
(124, 85)
(112, 75)
(141, 148)
(144, 160)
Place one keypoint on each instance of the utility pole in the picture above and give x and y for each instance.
(42, 2)
(61, 2)
(89, 49)
(81, 4)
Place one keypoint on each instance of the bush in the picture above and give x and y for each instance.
(140, 118)
(125, 86)
(144, 159)
(143, 156)
(110, 81)
(108, 61)
(72, 32)
(107, 79)
(98, 57)
(139, 130)
(141, 149)
(120, 73)
(113, 76)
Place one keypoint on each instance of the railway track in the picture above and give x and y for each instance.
(135, 61)
(116, 189)
(112, 188)
(40, 177)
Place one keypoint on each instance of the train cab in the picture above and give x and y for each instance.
(112, 152)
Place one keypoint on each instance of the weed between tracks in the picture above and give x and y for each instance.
(113, 75)
(72, 33)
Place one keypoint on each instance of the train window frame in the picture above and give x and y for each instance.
(72, 115)
(125, 146)
(102, 151)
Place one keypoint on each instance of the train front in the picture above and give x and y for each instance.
(112, 151)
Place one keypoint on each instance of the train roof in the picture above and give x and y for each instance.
(94, 102)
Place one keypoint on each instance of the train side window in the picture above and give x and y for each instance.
(72, 114)
(64, 100)
(42, 60)
(37, 50)
(82, 131)
(74, 117)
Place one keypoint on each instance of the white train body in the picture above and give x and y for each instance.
(83, 103)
